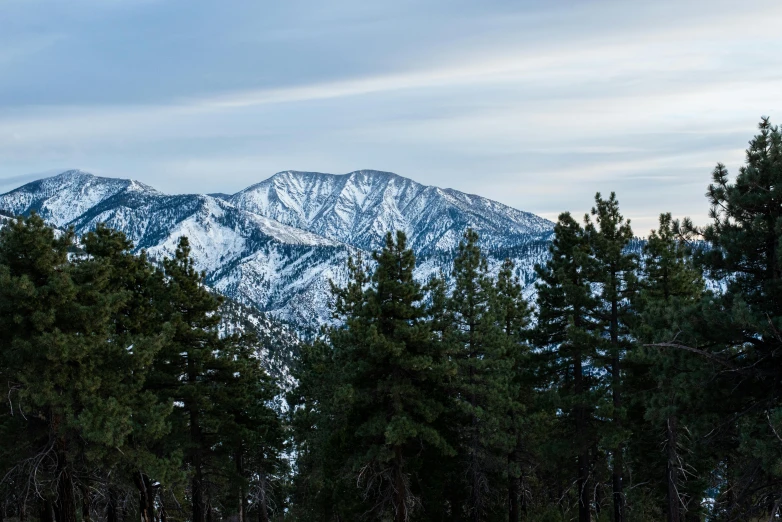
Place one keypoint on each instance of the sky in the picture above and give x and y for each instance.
(536, 104)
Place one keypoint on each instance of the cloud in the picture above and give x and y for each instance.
(532, 104)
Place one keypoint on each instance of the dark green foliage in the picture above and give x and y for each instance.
(99, 350)
(741, 326)
(641, 395)
(75, 354)
(222, 422)
(481, 387)
(513, 318)
(615, 274)
(644, 388)
(666, 403)
(376, 385)
(569, 330)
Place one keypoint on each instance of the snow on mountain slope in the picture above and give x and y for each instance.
(277, 342)
(253, 259)
(64, 197)
(360, 207)
(276, 245)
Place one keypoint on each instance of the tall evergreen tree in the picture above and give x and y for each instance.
(325, 487)
(75, 370)
(484, 370)
(387, 396)
(742, 326)
(513, 316)
(664, 378)
(569, 331)
(187, 374)
(615, 273)
(250, 432)
(140, 327)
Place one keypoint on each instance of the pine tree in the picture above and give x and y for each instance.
(663, 378)
(324, 486)
(186, 374)
(250, 431)
(36, 288)
(386, 394)
(569, 331)
(484, 370)
(615, 273)
(139, 327)
(443, 493)
(74, 369)
(741, 327)
(513, 316)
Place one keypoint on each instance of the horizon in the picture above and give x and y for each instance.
(23, 180)
(534, 105)
(213, 194)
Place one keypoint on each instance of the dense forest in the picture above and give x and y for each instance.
(641, 383)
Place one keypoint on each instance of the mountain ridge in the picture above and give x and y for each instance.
(281, 254)
(359, 207)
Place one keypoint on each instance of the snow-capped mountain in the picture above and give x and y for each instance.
(275, 246)
(63, 198)
(360, 207)
(248, 257)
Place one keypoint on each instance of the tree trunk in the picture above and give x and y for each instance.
(456, 504)
(522, 498)
(617, 474)
(674, 506)
(583, 456)
(85, 504)
(65, 505)
(146, 496)
(196, 440)
(199, 513)
(598, 501)
(400, 504)
(263, 512)
(475, 493)
(239, 458)
(513, 492)
(47, 509)
(513, 500)
(111, 506)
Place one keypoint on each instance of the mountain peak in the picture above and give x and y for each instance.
(359, 207)
(278, 244)
(74, 173)
(364, 172)
(62, 198)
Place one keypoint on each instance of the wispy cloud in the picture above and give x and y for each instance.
(535, 106)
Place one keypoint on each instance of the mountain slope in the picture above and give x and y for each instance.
(276, 245)
(360, 207)
(65, 197)
(250, 258)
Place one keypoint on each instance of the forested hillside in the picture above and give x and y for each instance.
(629, 389)
(626, 391)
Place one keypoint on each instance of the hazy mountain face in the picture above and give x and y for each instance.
(276, 245)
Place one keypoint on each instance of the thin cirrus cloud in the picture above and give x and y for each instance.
(538, 105)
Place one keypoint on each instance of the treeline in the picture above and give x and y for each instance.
(631, 390)
(122, 402)
(643, 384)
